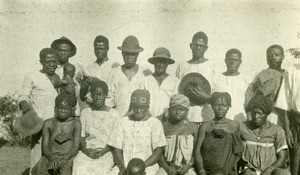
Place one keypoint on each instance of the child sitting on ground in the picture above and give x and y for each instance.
(136, 166)
(60, 138)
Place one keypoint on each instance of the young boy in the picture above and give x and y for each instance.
(67, 83)
(60, 138)
(136, 166)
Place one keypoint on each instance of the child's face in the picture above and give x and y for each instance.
(98, 97)
(139, 111)
(69, 71)
(63, 110)
(178, 112)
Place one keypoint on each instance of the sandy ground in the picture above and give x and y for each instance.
(14, 160)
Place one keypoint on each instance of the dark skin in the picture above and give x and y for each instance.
(64, 51)
(233, 62)
(160, 73)
(220, 107)
(98, 104)
(100, 50)
(49, 64)
(139, 115)
(177, 123)
(198, 47)
(68, 125)
(259, 121)
(275, 58)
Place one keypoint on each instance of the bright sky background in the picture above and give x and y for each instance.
(27, 26)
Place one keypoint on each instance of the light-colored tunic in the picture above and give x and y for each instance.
(200, 113)
(38, 90)
(138, 139)
(261, 148)
(97, 127)
(236, 86)
(120, 88)
(102, 71)
(206, 69)
(160, 95)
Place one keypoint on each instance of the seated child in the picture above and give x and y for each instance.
(136, 166)
(67, 83)
(181, 137)
(60, 138)
(97, 122)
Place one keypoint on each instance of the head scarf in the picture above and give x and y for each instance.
(140, 97)
(261, 102)
(179, 99)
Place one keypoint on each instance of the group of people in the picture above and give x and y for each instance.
(112, 119)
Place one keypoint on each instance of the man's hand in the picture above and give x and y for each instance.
(24, 106)
(289, 138)
(90, 152)
(171, 170)
(184, 169)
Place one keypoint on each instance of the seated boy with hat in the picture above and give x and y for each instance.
(138, 135)
(60, 138)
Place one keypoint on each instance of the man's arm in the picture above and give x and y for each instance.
(155, 156)
(119, 160)
(197, 152)
(76, 143)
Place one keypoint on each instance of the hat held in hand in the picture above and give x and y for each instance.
(29, 123)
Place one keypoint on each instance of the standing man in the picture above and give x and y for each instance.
(233, 82)
(102, 67)
(128, 77)
(268, 82)
(39, 91)
(198, 63)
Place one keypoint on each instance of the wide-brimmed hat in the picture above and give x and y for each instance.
(130, 44)
(194, 79)
(29, 123)
(163, 54)
(65, 40)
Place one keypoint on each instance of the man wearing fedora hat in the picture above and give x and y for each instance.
(128, 77)
(39, 90)
(160, 84)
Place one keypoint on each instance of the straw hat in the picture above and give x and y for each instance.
(66, 40)
(163, 54)
(29, 123)
(194, 79)
(131, 44)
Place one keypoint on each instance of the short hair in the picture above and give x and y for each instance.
(200, 35)
(96, 83)
(47, 51)
(101, 39)
(277, 46)
(231, 51)
(69, 67)
(70, 99)
(136, 165)
(217, 95)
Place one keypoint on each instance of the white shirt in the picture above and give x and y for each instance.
(160, 95)
(102, 71)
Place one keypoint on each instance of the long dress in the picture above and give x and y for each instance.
(97, 127)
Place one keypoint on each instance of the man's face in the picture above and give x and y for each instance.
(100, 50)
(64, 50)
(233, 62)
(178, 112)
(160, 67)
(98, 97)
(274, 58)
(49, 63)
(198, 47)
(63, 110)
(220, 107)
(130, 58)
(139, 111)
(258, 117)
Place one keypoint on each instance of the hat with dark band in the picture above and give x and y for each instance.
(161, 54)
(64, 40)
(130, 44)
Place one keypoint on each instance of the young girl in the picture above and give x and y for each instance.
(97, 122)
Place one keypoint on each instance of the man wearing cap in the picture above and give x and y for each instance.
(128, 77)
(181, 137)
(198, 63)
(268, 82)
(39, 91)
(160, 84)
(233, 82)
(138, 135)
(102, 66)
